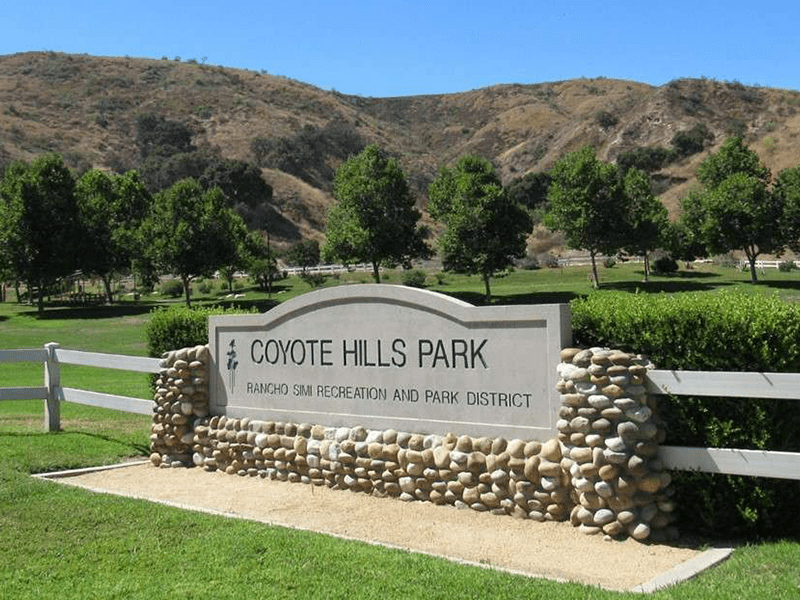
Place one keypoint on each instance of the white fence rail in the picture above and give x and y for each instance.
(730, 461)
(755, 463)
(52, 356)
(766, 264)
(329, 269)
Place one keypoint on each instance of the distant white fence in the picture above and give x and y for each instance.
(52, 392)
(329, 269)
(754, 463)
(585, 261)
(767, 264)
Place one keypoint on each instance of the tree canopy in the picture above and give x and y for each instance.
(485, 229)
(111, 208)
(39, 221)
(304, 254)
(732, 157)
(647, 219)
(373, 218)
(588, 204)
(787, 192)
(191, 232)
(735, 209)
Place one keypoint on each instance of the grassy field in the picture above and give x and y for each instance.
(63, 542)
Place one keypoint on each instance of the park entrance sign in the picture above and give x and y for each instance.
(385, 356)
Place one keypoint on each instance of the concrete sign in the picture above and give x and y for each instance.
(386, 356)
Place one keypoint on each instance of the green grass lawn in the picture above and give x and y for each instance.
(61, 542)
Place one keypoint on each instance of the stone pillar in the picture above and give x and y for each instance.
(610, 435)
(181, 400)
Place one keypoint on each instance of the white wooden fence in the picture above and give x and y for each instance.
(52, 392)
(329, 269)
(757, 463)
(766, 264)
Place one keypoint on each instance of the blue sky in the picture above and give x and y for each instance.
(394, 48)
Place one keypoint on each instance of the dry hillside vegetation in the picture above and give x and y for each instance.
(86, 108)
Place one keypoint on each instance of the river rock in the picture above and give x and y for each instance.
(551, 450)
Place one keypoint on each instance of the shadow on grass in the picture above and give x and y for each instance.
(262, 305)
(141, 448)
(684, 281)
(782, 284)
(478, 299)
(91, 312)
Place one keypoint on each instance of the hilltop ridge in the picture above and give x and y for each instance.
(85, 108)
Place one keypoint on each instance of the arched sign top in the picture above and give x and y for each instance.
(392, 356)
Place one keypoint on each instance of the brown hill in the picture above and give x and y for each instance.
(86, 108)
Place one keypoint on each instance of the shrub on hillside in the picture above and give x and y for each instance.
(786, 266)
(606, 119)
(713, 332)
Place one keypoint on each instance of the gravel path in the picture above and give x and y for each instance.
(552, 550)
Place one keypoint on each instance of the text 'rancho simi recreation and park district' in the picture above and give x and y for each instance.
(387, 356)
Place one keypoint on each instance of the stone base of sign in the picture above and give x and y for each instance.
(602, 472)
(610, 432)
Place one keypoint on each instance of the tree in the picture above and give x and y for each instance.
(250, 245)
(485, 230)
(162, 171)
(263, 266)
(304, 254)
(191, 232)
(111, 208)
(530, 191)
(787, 192)
(39, 222)
(741, 213)
(732, 157)
(735, 210)
(241, 182)
(587, 199)
(683, 238)
(373, 218)
(647, 218)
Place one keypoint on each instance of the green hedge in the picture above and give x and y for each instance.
(178, 327)
(713, 332)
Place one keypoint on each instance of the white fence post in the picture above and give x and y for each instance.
(52, 381)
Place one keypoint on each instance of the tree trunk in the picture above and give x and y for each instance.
(751, 258)
(107, 284)
(376, 271)
(41, 299)
(187, 290)
(646, 267)
(487, 289)
(16, 289)
(595, 279)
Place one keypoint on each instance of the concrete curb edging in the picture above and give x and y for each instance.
(685, 571)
